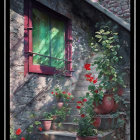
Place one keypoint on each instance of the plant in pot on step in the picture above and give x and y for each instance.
(59, 116)
(62, 97)
(47, 120)
(87, 125)
(108, 63)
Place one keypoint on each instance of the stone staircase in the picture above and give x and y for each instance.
(67, 131)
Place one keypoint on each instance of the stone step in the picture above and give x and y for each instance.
(124, 106)
(66, 135)
(78, 93)
(64, 126)
(108, 121)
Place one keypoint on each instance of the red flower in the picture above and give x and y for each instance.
(40, 128)
(56, 93)
(87, 75)
(85, 100)
(68, 97)
(82, 115)
(51, 92)
(96, 91)
(22, 138)
(18, 132)
(79, 102)
(87, 66)
(69, 94)
(78, 107)
(64, 92)
(95, 81)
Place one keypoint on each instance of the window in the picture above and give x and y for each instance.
(48, 47)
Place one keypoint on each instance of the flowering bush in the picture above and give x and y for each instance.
(62, 95)
(86, 120)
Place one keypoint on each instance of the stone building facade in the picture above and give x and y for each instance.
(24, 90)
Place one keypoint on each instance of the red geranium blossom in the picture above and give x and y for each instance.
(22, 138)
(18, 132)
(95, 81)
(87, 66)
(78, 107)
(64, 92)
(82, 115)
(56, 93)
(69, 94)
(85, 100)
(96, 91)
(79, 102)
(88, 75)
(40, 128)
(52, 92)
(68, 97)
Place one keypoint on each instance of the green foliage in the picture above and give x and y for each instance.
(62, 95)
(106, 40)
(61, 113)
(85, 128)
(47, 115)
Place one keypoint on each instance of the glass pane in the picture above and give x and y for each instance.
(57, 42)
(41, 37)
(58, 64)
(37, 59)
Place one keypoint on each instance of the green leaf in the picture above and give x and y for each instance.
(98, 36)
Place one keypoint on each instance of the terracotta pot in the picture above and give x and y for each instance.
(47, 124)
(116, 105)
(108, 103)
(54, 126)
(98, 109)
(87, 138)
(120, 92)
(60, 105)
(97, 122)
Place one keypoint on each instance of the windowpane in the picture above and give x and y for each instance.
(41, 37)
(48, 39)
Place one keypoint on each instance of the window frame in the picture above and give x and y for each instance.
(29, 67)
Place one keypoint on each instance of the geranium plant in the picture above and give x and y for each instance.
(62, 95)
(108, 63)
(86, 121)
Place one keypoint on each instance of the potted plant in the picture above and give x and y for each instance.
(47, 121)
(61, 97)
(87, 120)
(59, 116)
(106, 42)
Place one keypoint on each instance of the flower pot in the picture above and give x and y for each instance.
(87, 138)
(47, 124)
(108, 103)
(54, 126)
(98, 109)
(60, 105)
(120, 92)
(116, 105)
(97, 122)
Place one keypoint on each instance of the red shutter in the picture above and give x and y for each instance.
(69, 48)
(26, 43)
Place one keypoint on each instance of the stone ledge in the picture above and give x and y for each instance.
(109, 14)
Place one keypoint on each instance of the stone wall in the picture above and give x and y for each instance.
(24, 89)
(120, 8)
